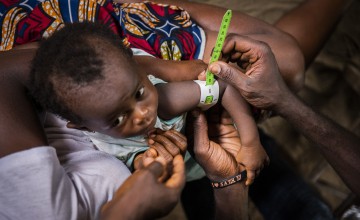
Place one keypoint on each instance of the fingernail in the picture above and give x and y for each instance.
(215, 68)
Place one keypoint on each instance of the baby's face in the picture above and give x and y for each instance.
(124, 105)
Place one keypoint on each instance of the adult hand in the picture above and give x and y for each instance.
(216, 156)
(143, 196)
(260, 83)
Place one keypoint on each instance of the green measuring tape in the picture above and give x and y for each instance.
(225, 23)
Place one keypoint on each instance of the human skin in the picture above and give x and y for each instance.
(128, 106)
(18, 116)
(295, 38)
(31, 127)
(152, 190)
(209, 17)
(263, 87)
(172, 101)
(317, 23)
(253, 156)
(216, 145)
(14, 102)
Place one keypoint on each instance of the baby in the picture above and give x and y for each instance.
(84, 74)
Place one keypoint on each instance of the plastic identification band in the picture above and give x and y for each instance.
(209, 94)
(225, 23)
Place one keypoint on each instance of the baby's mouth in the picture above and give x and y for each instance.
(151, 127)
(152, 124)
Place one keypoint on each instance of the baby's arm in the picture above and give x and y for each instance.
(251, 155)
(171, 70)
(178, 97)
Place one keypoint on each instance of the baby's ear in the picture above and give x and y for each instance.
(76, 126)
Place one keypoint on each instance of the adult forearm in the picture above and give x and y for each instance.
(231, 202)
(20, 127)
(340, 147)
(287, 52)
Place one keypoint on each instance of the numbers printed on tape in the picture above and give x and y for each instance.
(225, 23)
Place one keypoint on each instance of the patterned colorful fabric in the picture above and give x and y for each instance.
(164, 31)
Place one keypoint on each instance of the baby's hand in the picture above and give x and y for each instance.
(253, 158)
(147, 157)
(164, 146)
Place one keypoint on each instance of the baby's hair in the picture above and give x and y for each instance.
(72, 57)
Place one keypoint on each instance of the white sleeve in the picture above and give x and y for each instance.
(140, 52)
(35, 186)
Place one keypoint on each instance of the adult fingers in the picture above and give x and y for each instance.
(177, 178)
(156, 169)
(244, 48)
(166, 171)
(229, 74)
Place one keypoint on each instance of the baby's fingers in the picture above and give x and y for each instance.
(149, 157)
(250, 177)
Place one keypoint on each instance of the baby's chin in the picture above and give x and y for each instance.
(150, 132)
(150, 129)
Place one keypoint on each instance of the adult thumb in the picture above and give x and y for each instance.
(228, 73)
(156, 169)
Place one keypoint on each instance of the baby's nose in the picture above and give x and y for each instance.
(141, 116)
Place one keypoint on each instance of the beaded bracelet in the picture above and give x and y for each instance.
(227, 182)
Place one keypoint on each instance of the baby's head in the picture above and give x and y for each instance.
(84, 74)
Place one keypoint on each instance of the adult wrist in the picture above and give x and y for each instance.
(222, 183)
(286, 104)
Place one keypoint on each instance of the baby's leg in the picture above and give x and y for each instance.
(311, 24)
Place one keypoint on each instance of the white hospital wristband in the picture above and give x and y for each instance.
(209, 94)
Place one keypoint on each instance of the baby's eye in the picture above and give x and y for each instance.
(139, 93)
(118, 121)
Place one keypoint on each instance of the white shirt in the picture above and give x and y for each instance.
(73, 184)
